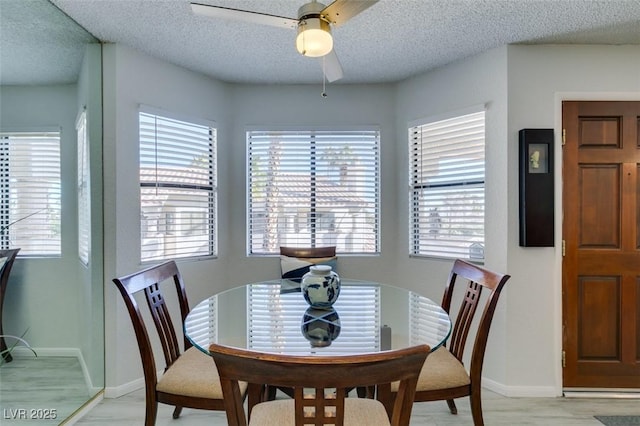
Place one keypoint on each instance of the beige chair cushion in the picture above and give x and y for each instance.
(193, 374)
(441, 370)
(357, 411)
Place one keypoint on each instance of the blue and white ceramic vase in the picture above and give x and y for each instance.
(320, 286)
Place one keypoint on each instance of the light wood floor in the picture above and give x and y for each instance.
(42, 390)
(58, 383)
(498, 411)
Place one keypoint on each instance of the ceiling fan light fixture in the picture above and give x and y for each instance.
(314, 37)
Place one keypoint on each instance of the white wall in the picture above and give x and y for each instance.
(91, 309)
(518, 85)
(480, 80)
(345, 106)
(60, 300)
(131, 79)
(523, 87)
(540, 77)
(41, 291)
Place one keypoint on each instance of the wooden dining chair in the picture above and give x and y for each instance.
(320, 385)
(308, 252)
(9, 257)
(190, 379)
(295, 261)
(444, 376)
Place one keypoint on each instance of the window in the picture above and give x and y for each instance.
(177, 188)
(84, 194)
(447, 187)
(30, 189)
(312, 189)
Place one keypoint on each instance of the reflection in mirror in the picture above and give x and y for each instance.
(50, 155)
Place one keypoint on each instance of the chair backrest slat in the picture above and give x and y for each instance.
(162, 320)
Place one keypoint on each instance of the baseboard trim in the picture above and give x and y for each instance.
(85, 371)
(118, 391)
(520, 391)
(23, 352)
(602, 393)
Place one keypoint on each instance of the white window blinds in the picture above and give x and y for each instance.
(447, 170)
(312, 189)
(177, 188)
(30, 189)
(358, 308)
(425, 320)
(84, 194)
(199, 330)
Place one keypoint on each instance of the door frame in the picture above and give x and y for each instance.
(557, 127)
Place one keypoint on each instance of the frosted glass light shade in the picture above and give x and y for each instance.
(314, 37)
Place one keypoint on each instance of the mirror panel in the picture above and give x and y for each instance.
(50, 77)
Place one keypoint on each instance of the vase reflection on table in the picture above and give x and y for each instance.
(320, 326)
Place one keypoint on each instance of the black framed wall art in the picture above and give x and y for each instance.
(536, 182)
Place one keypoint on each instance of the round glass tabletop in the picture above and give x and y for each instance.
(273, 316)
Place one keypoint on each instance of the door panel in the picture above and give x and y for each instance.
(599, 308)
(600, 132)
(601, 224)
(638, 205)
(638, 320)
(599, 206)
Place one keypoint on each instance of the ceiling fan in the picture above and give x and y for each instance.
(313, 24)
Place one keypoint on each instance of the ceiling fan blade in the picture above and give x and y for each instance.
(331, 66)
(340, 11)
(244, 15)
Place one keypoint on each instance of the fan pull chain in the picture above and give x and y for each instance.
(324, 78)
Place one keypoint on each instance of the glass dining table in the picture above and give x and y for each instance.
(273, 316)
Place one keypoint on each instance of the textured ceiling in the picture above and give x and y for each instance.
(390, 41)
(38, 44)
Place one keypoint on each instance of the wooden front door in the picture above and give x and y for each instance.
(601, 232)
